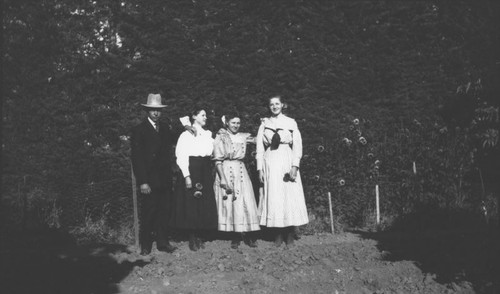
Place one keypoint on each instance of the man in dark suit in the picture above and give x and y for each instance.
(152, 142)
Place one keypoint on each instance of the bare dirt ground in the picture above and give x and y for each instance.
(323, 263)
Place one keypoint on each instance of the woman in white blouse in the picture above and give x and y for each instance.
(279, 151)
(195, 209)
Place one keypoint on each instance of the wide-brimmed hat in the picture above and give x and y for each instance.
(154, 101)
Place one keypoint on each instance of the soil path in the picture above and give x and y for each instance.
(321, 263)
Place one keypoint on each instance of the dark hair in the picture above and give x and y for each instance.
(195, 112)
(229, 115)
(275, 96)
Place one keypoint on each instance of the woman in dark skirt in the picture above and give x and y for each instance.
(194, 208)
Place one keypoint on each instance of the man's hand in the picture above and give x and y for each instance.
(191, 129)
(145, 189)
(189, 184)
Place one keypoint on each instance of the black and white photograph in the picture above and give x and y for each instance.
(250, 146)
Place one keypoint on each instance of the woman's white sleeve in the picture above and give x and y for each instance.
(260, 147)
(297, 146)
(182, 153)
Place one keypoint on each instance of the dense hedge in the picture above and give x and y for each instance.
(76, 71)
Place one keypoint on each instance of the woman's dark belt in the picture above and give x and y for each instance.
(267, 146)
(199, 157)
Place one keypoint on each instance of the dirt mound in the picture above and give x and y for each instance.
(321, 263)
(316, 264)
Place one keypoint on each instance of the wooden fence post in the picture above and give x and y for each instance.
(377, 204)
(23, 195)
(331, 212)
(136, 209)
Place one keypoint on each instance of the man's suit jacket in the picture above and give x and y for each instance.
(151, 155)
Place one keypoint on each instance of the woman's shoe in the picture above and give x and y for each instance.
(296, 234)
(235, 244)
(200, 244)
(192, 243)
(278, 240)
(289, 236)
(249, 240)
(290, 239)
(252, 243)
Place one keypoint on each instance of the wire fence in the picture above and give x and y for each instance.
(108, 211)
(94, 212)
(111, 200)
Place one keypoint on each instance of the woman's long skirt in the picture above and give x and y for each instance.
(195, 208)
(282, 202)
(237, 213)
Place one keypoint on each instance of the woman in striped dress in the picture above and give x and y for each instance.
(234, 194)
(279, 151)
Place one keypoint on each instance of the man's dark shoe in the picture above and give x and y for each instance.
(167, 248)
(145, 251)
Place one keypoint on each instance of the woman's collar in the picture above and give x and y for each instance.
(198, 128)
(281, 115)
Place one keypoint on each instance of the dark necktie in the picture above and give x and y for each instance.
(157, 127)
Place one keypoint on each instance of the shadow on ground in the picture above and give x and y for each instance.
(49, 261)
(451, 248)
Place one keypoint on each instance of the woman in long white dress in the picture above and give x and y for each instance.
(236, 205)
(279, 151)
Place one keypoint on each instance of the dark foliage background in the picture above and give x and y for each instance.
(417, 80)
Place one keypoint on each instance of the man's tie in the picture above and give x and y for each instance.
(157, 127)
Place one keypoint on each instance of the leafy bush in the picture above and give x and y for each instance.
(414, 163)
(97, 230)
(77, 71)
